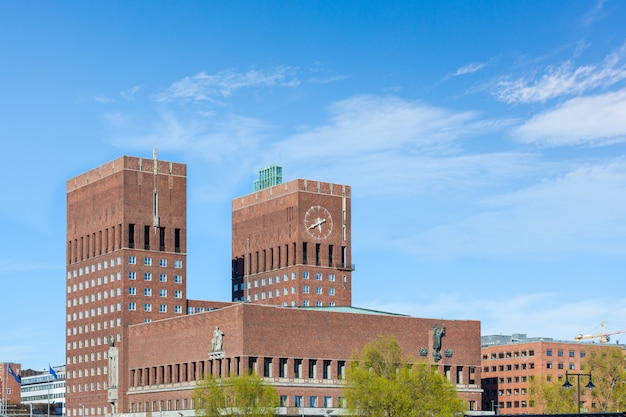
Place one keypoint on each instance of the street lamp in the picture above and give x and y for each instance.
(568, 385)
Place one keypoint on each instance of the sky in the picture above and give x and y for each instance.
(485, 143)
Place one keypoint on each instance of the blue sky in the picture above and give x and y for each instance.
(484, 141)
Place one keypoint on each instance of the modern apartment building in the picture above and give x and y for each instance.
(126, 258)
(291, 244)
(509, 363)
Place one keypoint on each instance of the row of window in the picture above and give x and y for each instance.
(524, 353)
(78, 344)
(148, 292)
(509, 367)
(86, 411)
(99, 281)
(132, 306)
(147, 276)
(98, 311)
(132, 260)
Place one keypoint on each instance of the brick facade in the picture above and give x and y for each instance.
(303, 352)
(300, 229)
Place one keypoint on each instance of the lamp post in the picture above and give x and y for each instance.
(568, 385)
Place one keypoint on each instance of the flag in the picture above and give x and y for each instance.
(52, 372)
(18, 379)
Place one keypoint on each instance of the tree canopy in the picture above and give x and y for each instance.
(606, 367)
(382, 382)
(245, 396)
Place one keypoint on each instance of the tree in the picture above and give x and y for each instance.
(550, 396)
(607, 368)
(245, 396)
(381, 382)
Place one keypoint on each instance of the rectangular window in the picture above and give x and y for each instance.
(312, 401)
(146, 237)
(147, 307)
(132, 306)
(331, 277)
(282, 368)
(131, 275)
(147, 292)
(132, 260)
(131, 235)
(162, 277)
(162, 262)
(297, 401)
(162, 308)
(161, 239)
(318, 260)
(178, 264)
(178, 309)
(178, 294)
(330, 255)
(283, 401)
(147, 261)
(297, 368)
(305, 289)
(318, 290)
(318, 276)
(178, 279)
(326, 370)
(312, 368)
(163, 293)
(147, 276)
(328, 402)
(132, 291)
(304, 254)
(177, 240)
(331, 291)
(305, 275)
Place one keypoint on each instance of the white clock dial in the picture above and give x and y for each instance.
(318, 222)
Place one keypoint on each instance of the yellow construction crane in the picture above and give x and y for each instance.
(604, 336)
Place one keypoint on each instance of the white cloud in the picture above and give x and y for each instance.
(103, 99)
(387, 145)
(129, 94)
(205, 87)
(563, 80)
(594, 120)
(467, 69)
(543, 314)
(583, 211)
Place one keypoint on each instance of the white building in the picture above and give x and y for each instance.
(44, 388)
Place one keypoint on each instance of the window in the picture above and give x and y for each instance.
(178, 264)
(131, 275)
(318, 290)
(132, 291)
(305, 275)
(549, 352)
(132, 306)
(178, 279)
(559, 353)
(178, 294)
(163, 293)
(162, 262)
(147, 261)
(331, 291)
(297, 401)
(328, 402)
(294, 290)
(162, 277)
(331, 277)
(178, 309)
(313, 401)
(283, 401)
(132, 260)
(318, 276)
(147, 276)
(319, 304)
(571, 353)
(305, 303)
(305, 289)
(147, 292)
(571, 367)
(147, 307)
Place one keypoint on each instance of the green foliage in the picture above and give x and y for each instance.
(241, 396)
(383, 383)
(551, 397)
(609, 377)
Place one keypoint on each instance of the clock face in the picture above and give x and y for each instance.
(318, 222)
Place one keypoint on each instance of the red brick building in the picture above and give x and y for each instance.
(9, 387)
(133, 344)
(510, 362)
(291, 245)
(303, 352)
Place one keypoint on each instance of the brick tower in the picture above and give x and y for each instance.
(291, 244)
(126, 260)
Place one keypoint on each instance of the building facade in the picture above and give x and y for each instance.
(45, 388)
(137, 345)
(304, 352)
(10, 387)
(291, 245)
(126, 260)
(510, 363)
